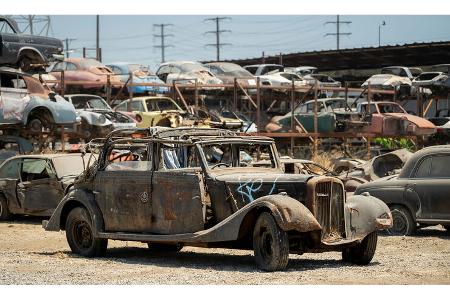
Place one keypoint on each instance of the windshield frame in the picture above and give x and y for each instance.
(87, 99)
(273, 153)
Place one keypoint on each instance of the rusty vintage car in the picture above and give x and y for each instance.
(389, 118)
(197, 187)
(34, 184)
(83, 75)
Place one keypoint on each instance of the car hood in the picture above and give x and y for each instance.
(250, 185)
(418, 121)
(386, 79)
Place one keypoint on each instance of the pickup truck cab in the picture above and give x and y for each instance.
(21, 50)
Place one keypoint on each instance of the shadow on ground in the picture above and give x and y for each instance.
(188, 258)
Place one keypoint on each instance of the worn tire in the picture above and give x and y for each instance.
(4, 211)
(270, 244)
(79, 234)
(24, 64)
(362, 253)
(403, 222)
(165, 247)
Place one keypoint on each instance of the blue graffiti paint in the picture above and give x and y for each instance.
(248, 188)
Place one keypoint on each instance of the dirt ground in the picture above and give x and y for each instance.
(30, 255)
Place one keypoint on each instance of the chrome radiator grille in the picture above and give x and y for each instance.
(329, 208)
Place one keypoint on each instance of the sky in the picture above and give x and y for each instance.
(130, 38)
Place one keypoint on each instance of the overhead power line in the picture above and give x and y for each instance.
(338, 32)
(162, 36)
(217, 32)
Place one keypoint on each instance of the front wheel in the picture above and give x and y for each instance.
(362, 253)
(4, 211)
(403, 222)
(80, 235)
(270, 244)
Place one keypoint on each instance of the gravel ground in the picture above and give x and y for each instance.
(30, 255)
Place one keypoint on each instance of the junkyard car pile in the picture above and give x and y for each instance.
(173, 171)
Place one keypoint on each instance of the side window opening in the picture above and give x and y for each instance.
(423, 171)
(34, 169)
(173, 156)
(11, 170)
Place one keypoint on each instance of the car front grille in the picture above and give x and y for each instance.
(329, 208)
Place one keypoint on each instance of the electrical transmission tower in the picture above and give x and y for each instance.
(217, 32)
(162, 36)
(33, 24)
(338, 32)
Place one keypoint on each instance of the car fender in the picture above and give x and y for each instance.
(91, 118)
(62, 111)
(289, 213)
(19, 53)
(365, 214)
(75, 198)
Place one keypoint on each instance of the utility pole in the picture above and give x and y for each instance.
(217, 32)
(163, 36)
(68, 41)
(338, 32)
(30, 23)
(379, 32)
(97, 41)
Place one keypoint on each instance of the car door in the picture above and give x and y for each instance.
(39, 191)
(14, 98)
(431, 182)
(178, 196)
(122, 191)
(9, 177)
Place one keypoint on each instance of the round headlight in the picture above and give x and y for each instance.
(101, 119)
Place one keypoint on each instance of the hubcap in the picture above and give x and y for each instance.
(36, 126)
(266, 243)
(400, 225)
(83, 234)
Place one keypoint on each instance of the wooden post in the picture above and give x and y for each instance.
(235, 95)
(131, 92)
(108, 88)
(346, 92)
(419, 104)
(63, 84)
(258, 103)
(174, 92)
(292, 115)
(196, 94)
(316, 127)
(63, 148)
(84, 52)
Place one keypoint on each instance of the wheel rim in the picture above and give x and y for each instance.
(83, 235)
(1, 208)
(400, 224)
(266, 244)
(36, 126)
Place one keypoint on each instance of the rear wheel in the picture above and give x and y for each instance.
(362, 253)
(4, 211)
(80, 235)
(403, 222)
(270, 244)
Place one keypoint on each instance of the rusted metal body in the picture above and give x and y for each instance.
(177, 190)
(389, 118)
(35, 184)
